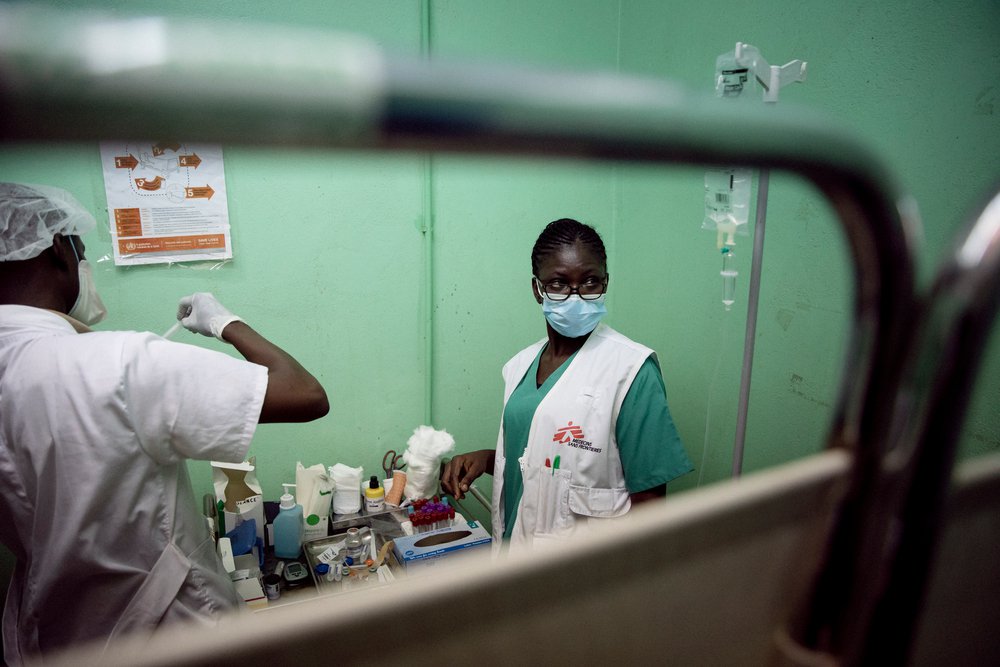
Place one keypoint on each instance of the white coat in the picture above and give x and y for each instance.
(575, 421)
(95, 499)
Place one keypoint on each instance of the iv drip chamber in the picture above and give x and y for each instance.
(729, 274)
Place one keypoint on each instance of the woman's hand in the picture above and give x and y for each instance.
(459, 473)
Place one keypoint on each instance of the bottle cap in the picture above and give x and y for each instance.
(373, 482)
(287, 499)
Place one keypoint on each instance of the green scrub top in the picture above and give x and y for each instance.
(643, 421)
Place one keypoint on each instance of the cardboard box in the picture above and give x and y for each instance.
(251, 592)
(423, 550)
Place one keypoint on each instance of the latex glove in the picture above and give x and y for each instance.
(202, 313)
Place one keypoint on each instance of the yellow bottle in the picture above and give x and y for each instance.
(374, 496)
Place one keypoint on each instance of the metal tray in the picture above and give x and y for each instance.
(381, 527)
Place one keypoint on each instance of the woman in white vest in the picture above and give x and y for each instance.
(585, 431)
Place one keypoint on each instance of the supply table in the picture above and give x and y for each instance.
(376, 531)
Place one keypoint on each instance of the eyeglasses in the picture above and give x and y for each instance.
(560, 290)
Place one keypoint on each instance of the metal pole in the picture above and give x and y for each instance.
(758, 252)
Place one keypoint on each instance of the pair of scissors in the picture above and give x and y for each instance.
(392, 461)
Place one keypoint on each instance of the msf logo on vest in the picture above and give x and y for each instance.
(572, 435)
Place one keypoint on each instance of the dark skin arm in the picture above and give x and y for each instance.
(459, 473)
(649, 494)
(293, 394)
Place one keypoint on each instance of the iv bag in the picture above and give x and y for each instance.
(727, 191)
(730, 78)
(727, 203)
(734, 80)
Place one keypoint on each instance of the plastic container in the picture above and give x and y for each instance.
(374, 496)
(272, 586)
(288, 527)
(346, 489)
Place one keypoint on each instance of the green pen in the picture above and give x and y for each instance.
(555, 464)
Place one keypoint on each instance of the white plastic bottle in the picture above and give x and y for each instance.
(288, 527)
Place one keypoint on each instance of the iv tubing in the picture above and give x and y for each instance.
(724, 345)
(763, 180)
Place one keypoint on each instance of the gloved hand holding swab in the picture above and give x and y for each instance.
(182, 312)
(202, 313)
(172, 330)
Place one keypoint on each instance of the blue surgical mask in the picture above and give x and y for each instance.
(574, 317)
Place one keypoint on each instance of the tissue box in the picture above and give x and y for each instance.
(416, 552)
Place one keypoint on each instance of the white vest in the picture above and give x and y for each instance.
(575, 422)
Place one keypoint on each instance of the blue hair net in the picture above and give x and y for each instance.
(30, 215)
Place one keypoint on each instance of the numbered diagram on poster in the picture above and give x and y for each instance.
(166, 202)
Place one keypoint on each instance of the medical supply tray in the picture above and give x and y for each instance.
(383, 527)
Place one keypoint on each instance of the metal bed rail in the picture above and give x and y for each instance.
(866, 602)
(939, 376)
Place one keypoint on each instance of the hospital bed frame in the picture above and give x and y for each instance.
(870, 552)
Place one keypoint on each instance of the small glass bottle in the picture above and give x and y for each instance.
(354, 546)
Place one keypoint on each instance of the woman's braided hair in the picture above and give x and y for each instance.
(566, 232)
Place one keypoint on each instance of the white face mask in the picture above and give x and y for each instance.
(88, 308)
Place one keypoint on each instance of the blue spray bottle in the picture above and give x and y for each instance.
(288, 527)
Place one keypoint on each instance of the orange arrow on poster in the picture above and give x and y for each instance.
(162, 147)
(126, 162)
(189, 160)
(199, 193)
(149, 183)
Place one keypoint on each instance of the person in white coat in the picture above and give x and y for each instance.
(586, 431)
(95, 427)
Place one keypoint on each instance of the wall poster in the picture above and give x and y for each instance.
(166, 202)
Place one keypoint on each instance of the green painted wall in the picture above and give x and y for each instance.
(403, 282)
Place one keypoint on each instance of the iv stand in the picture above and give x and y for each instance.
(772, 78)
